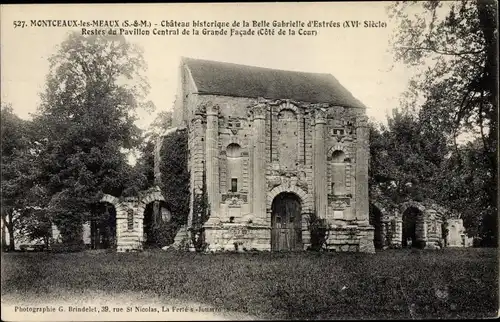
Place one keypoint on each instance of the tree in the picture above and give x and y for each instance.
(411, 161)
(175, 175)
(173, 182)
(19, 171)
(458, 42)
(151, 137)
(462, 189)
(162, 122)
(94, 88)
(35, 223)
(406, 158)
(173, 179)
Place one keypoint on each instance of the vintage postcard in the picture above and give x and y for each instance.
(248, 161)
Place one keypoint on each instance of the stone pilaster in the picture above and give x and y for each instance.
(362, 160)
(259, 163)
(320, 164)
(196, 161)
(250, 169)
(398, 236)
(212, 159)
(421, 230)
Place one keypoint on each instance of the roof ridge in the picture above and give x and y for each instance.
(184, 59)
(231, 79)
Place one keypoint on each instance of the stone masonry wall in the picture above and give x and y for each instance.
(130, 218)
(236, 121)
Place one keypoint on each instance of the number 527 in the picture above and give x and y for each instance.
(19, 24)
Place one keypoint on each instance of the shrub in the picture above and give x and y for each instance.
(175, 176)
(318, 229)
(68, 247)
(198, 238)
(420, 244)
(201, 213)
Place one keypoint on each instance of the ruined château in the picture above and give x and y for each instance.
(275, 148)
(270, 151)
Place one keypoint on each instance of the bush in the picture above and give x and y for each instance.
(319, 233)
(175, 177)
(420, 244)
(162, 234)
(198, 239)
(67, 247)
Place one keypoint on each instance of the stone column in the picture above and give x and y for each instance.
(259, 163)
(362, 160)
(320, 175)
(212, 159)
(398, 237)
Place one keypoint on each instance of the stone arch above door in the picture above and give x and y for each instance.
(288, 106)
(233, 140)
(120, 208)
(405, 205)
(147, 197)
(303, 196)
(339, 147)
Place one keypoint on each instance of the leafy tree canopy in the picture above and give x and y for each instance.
(94, 89)
(454, 44)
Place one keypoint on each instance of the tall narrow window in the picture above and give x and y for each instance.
(288, 139)
(234, 185)
(234, 166)
(338, 173)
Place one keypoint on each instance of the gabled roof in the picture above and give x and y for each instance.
(227, 79)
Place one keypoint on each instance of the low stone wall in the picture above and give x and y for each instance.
(350, 238)
(247, 237)
(223, 237)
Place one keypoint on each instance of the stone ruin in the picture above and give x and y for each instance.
(273, 158)
(421, 224)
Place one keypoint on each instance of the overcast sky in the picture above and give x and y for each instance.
(359, 58)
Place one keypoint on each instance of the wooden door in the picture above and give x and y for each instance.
(286, 230)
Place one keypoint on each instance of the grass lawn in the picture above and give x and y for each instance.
(393, 284)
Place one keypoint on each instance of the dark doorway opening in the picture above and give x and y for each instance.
(103, 227)
(376, 222)
(412, 219)
(286, 222)
(156, 225)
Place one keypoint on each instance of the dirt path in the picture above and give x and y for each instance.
(141, 306)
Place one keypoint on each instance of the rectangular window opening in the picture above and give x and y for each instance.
(234, 185)
(130, 220)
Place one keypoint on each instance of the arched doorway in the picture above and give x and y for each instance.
(156, 225)
(286, 222)
(376, 222)
(412, 227)
(103, 227)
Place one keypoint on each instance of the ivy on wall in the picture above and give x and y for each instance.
(201, 213)
(175, 181)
